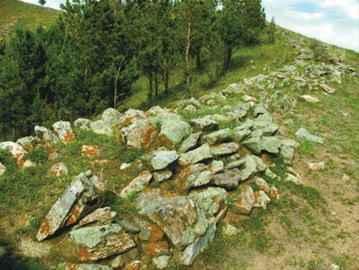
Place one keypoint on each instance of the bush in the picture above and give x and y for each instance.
(38, 154)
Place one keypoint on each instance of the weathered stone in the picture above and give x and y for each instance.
(28, 164)
(139, 134)
(58, 170)
(133, 115)
(201, 153)
(190, 142)
(271, 144)
(216, 166)
(177, 216)
(191, 172)
(73, 266)
(161, 262)
(162, 158)
(64, 131)
(122, 259)
(287, 150)
(223, 135)
(210, 200)
(2, 169)
(328, 89)
(261, 183)
(259, 109)
(90, 151)
(201, 180)
(190, 109)
(254, 144)
(224, 149)
(15, 150)
(82, 124)
(251, 165)
(310, 99)
(173, 131)
(265, 123)
(303, 133)
(244, 202)
(134, 265)
(261, 199)
(158, 248)
(247, 99)
(99, 215)
(293, 178)
(138, 184)
(124, 166)
(234, 164)
(78, 199)
(316, 166)
(45, 135)
(240, 134)
(29, 142)
(163, 175)
(111, 117)
(205, 122)
(228, 179)
(100, 242)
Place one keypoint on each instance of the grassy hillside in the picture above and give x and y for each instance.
(312, 226)
(12, 11)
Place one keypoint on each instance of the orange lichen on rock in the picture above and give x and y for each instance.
(69, 137)
(164, 141)
(156, 233)
(45, 227)
(83, 254)
(148, 137)
(90, 151)
(74, 216)
(157, 247)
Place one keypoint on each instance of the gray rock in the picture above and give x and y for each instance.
(122, 259)
(252, 165)
(162, 158)
(73, 266)
(191, 172)
(190, 142)
(261, 183)
(2, 169)
(210, 200)
(111, 117)
(29, 142)
(101, 215)
(310, 99)
(201, 180)
(261, 199)
(265, 123)
(287, 150)
(45, 135)
(74, 204)
(161, 262)
(216, 166)
(254, 144)
(240, 134)
(140, 134)
(258, 110)
(303, 133)
(100, 242)
(190, 109)
(173, 131)
(327, 89)
(133, 115)
(224, 149)
(100, 127)
(234, 164)
(271, 144)
(64, 131)
(82, 124)
(316, 166)
(244, 202)
(14, 149)
(228, 179)
(223, 135)
(177, 216)
(194, 156)
(138, 184)
(204, 123)
(58, 170)
(161, 176)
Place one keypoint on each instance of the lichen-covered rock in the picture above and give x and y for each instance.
(28, 142)
(229, 179)
(124, 258)
(251, 165)
(163, 175)
(328, 89)
(271, 144)
(219, 136)
(78, 199)
(99, 215)
(224, 149)
(46, 136)
(73, 266)
(100, 242)
(216, 166)
(15, 150)
(90, 151)
(138, 184)
(205, 122)
(261, 199)
(161, 262)
(201, 180)
(64, 131)
(177, 216)
(244, 202)
(100, 127)
(58, 170)
(82, 124)
(111, 117)
(265, 123)
(201, 153)
(162, 158)
(190, 142)
(310, 99)
(173, 131)
(140, 134)
(261, 183)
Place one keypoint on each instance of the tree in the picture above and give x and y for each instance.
(253, 19)
(42, 2)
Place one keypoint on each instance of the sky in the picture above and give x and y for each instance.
(333, 21)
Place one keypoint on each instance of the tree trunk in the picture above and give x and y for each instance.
(198, 59)
(150, 90)
(156, 83)
(187, 58)
(227, 58)
(166, 82)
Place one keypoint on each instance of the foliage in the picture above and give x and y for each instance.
(38, 154)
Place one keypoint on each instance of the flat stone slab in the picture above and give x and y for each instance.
(305, 134)
(201, 153)
(161, 159)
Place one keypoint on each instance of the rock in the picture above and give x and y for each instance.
(335, 267)
(223, 135)
(124, 166)
(303, 133)
(161, 262)
(133, 115)
(29, 142)
(234, 164)
(310, 99)
(45, 135)
(82, 124)
(177, 216)
(247, 99)
(2, 169)
(90, 151)
(111, 117)
(73, 266)
(161, 159)
(230, 230)
(158, 248)
(64, 131)
(201, 180)
(201, 153)
(139, 134)
(210, 200)
(293, 178)
(239, 134)
(134, 265)
(15, 150)
(58, 170)
(101, 215)
(271, 144)
(191, 172)
(274, 193)
(305, 54)
(28, 164)
(122, 259)
(254, 144)
(251, 165)
(216, 166)
(204, 123)
(173, 131)
(229, 179)
(138, 184)
(224, 149)
(261, 199)
(161, 176)
(100, 242)
(190, 109)
(244, 202)
(100, 127)
(327, 89)
(316, 166)
(265, 123)
(78, 199)
(261, 183)
(287, 150)
(232, 89)
(190, 142)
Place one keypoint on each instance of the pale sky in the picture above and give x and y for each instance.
(333, 21)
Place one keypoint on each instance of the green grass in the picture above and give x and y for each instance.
(13, 11)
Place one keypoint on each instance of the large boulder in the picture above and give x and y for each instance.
(111, 117)
(177, 216)
(101, 241)
(162, 158)
(190, 142)
(173, 131)
(46, 136)
(80, 198)
(15, 150)
(140, 134)
(64, 131)
(138, 184)
(100, 127)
